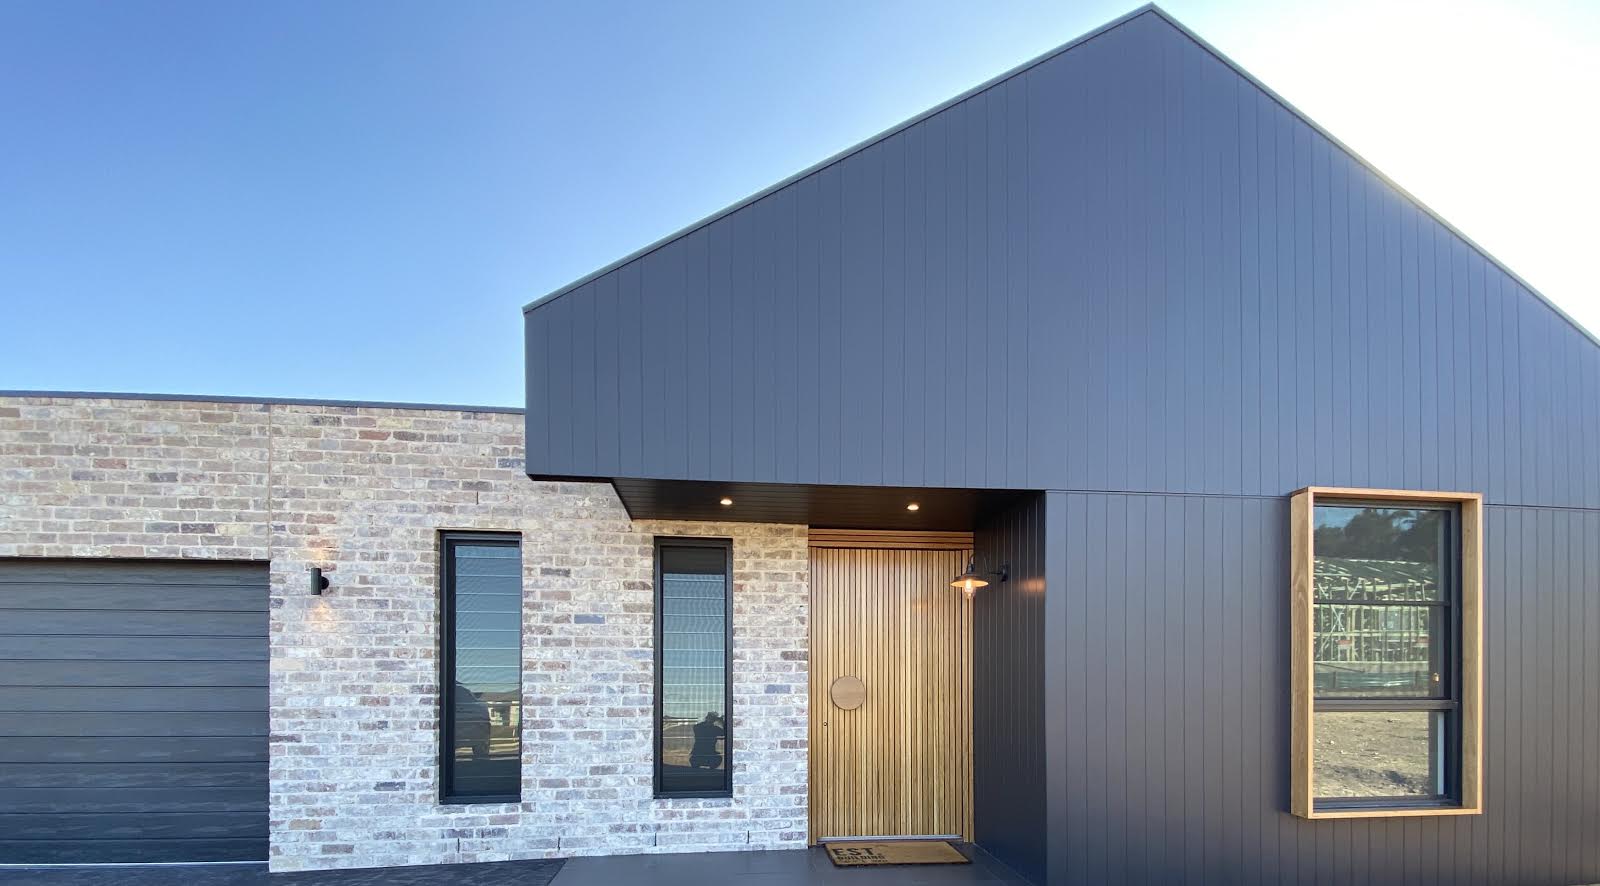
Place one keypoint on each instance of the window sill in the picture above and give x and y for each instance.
(697, 795)
(1393, 812)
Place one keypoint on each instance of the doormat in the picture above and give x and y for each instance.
(895, 852)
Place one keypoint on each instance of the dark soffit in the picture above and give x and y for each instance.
(832, 507)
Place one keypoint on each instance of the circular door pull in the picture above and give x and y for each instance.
(847, 693)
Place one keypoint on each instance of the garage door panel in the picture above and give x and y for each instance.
(99, 647)
(121, 597)
(130, 851)
(134, 673)
(137, 723)
(133, 711)
(186, 749)
(105, 826)
(149, 624)
(141, 800)
(147, 698)
(132, 775)
(170, 573)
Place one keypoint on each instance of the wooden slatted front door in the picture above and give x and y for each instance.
(892, 755)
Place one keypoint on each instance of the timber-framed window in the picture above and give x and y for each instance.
(1387, 647)
(694, 679)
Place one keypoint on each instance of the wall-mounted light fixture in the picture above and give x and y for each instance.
(726, 502)
(972, 579)
(913, 506)
(319, 582)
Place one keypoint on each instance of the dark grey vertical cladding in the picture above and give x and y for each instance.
(133, 711)
(1008, 670)
(1190, 288)
(1176, 741)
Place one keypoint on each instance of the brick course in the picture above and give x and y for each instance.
(364, 492)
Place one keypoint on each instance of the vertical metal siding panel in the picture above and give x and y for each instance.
(809, 452)
(653, 312)
(1214, 689)
(1391, 297)
(996, 320)
(1319, 216)
(746, 346)
(696, 345)
(672, 347)
(1477, 322)
(1292, 352)
(559, 348)
(607, 387)
(1428, 376)
(1410, 467)
(1269, 342)
(1049, 445)
(1116, 147)
(1076, 761)
(861, 312)
(767, 399)
(631, 366)
(1137, 735)
(892, 423)
(952, 469)
(582, 426)
(918, 352)
(1588, 786)
(1095, 596)
(1175, 295)
(1343, 385)
(1095, 272)
(973, 282)
(1231, 448)
(793, 382)
(829, 378)
(536, 382)
(938, 411)
(720, 355)
(1017, 389)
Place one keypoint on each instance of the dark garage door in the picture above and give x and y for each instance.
(133, 711)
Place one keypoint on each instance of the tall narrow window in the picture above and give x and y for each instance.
(694, 604)
(481, 701)
(1387, 664)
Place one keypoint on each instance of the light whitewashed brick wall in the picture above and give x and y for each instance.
(364, 493)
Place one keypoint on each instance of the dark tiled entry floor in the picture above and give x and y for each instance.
(786, 868)
(782, 868)
(499, 873)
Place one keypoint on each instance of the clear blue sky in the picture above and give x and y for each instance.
(354, 199)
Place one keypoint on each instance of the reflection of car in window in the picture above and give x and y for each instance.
(471, 722)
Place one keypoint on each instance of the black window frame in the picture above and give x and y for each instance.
(1448, 700)
(447, 662)
(726, 544)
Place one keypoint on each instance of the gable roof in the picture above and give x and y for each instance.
(1147, 9)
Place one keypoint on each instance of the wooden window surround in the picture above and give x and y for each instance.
(1469, 790)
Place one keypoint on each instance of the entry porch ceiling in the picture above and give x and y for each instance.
(831, 507)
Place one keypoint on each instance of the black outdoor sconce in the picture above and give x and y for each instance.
(972, 579)
(319, 582)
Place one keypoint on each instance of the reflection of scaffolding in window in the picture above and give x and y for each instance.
(1356, 623)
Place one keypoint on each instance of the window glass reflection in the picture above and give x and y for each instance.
(1378, 754)
(485, 727)
(693, 662)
